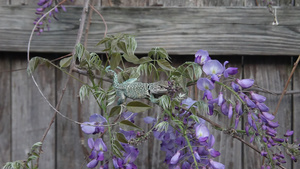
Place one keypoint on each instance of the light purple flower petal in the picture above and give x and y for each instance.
(100, 156)
(149, 120)
(220, 99)
(88, 128)
(238, 108)
(235, 87)
(249, 102)
(230, 112)
(262, 107)
(288, 133)
(213, 67)
(205, 84)
(216, 165)
(214, 153)
(230, 71)
(175, 158)
(268, 116)
(97, 118)
(202, 132)
(207, 94)
(189, 102)
(99, 145)
(257, 97)
(224, 109)
(92, 164)
(201, 57)
(91, 143)
(93, 154)
(245, 83)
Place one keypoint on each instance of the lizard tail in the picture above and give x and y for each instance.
(116, 82)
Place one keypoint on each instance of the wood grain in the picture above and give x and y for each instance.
(30, 113)
(221, 31)
(270, 73)
(296, 108)
(5, 109)
(68, 149)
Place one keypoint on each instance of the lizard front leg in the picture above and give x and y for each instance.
(121, 96)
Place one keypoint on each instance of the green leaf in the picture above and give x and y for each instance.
(104, 40)
(131, 58)
(164, 64)
(121, 138)
(115, 111)
(117, 143)
(79, 50)
(34, 63)
(190, 72)
(83, 92)
(197, 70)
(145, 60)
(122, 46)
(115, 60)
(117, 151)
(65, 62)
(129, 123)
(163, 54)
(137, 107)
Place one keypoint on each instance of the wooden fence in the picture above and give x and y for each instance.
(239, 31)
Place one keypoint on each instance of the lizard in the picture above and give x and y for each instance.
(137, 90)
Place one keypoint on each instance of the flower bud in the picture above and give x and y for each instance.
(245, 83)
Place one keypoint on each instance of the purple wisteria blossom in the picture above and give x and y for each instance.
(44, 7)
(229, 70)
(245, 83)
(98, 148)
(95, 125)
(206, 85)
(201, 57)
(213, 68)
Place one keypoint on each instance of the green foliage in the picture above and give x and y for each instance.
(137, 107)
(29, 162)
(35, 62)
(130, 124)
(115, 111)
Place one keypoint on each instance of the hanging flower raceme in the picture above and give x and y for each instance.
(44, 7)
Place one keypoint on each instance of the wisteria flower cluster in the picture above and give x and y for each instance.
(44, 7)
(184, 137)
(260, 122)
(176, 143)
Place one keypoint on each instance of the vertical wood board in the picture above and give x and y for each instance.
(5, 109)
(270, 73)
(30, 112)
(296, 109)
(69, 151)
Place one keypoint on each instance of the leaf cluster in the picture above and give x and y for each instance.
(29, 162)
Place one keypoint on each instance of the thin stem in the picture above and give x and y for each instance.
(286, 85)
(191, 149)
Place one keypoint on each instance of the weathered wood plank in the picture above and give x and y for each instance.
(221, 31)
(270, 73)
(221, 2)
(69, 151)
(5, 109)
(30, 113)
(296, 108)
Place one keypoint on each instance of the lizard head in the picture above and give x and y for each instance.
(159, 88)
